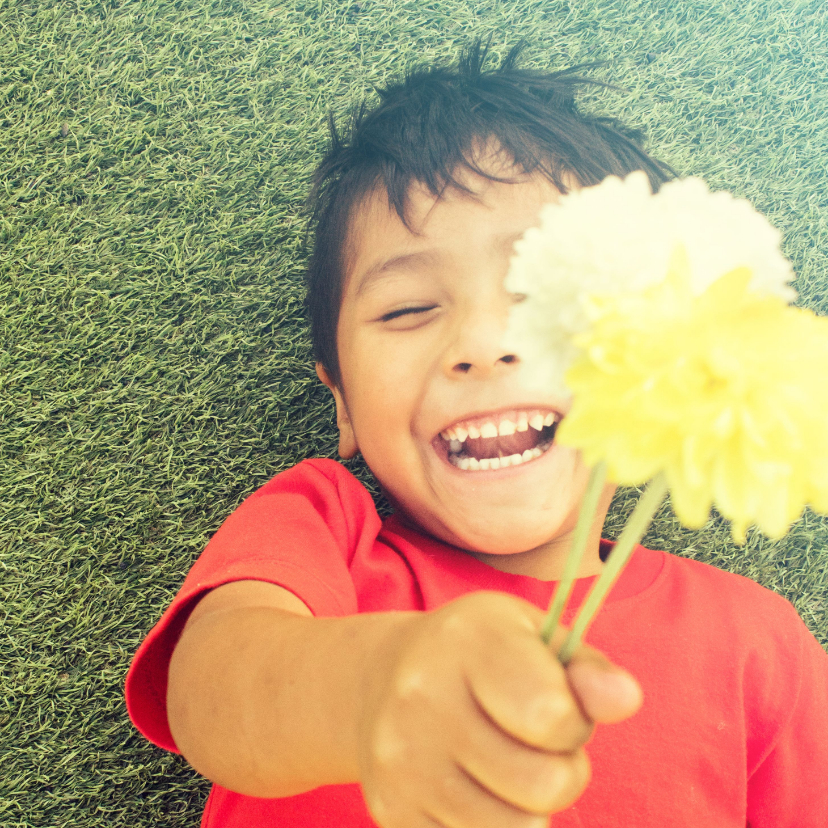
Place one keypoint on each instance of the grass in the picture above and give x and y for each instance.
(154, 361)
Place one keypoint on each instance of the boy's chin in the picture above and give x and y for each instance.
(501, 528)
(500, 539)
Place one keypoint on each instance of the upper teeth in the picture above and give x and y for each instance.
(503, 427)
(488, 430)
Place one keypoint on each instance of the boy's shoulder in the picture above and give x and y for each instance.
(310, 473)
(732, 606)
(327, 487)
(693, 574)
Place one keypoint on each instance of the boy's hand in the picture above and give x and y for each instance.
(471, 722)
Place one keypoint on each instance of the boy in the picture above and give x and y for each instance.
(324, 667)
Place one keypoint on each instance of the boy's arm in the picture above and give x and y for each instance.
(263, 701)
(458, 716)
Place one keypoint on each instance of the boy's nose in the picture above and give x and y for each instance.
(476, 348)
(483, 367)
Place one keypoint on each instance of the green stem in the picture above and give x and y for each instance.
(632, 534)
(586, 517)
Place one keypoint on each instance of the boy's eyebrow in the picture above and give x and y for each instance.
(380, 270)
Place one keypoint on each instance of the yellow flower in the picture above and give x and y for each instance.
(723, 391)
(617, 237)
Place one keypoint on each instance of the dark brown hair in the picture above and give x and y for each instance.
(426, 127)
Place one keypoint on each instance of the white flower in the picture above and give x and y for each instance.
(619, 237)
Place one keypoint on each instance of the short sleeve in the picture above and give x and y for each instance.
(300, 531)
(787, 788)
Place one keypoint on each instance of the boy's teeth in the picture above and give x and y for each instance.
(502, 430)
(488, 430)
(506, 427)
(487, 463)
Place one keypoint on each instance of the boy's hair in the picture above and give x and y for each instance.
(427, 127)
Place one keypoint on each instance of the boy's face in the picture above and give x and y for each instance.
(419, 334)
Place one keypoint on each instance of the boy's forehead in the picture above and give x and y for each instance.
(375, 223)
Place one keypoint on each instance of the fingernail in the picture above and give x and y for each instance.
(623, 686)
(606, 677)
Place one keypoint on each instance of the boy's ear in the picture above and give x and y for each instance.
(348, 447)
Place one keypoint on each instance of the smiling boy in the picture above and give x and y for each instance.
(325, 667)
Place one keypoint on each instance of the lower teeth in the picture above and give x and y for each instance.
(486, 463)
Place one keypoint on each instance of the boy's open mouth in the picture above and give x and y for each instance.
(495, 441)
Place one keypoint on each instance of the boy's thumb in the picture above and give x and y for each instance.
(606, 693)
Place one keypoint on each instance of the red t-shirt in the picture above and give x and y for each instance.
(734, 727)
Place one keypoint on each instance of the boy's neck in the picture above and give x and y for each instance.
(545, 562)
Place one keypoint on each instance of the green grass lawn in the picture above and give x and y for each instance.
(154, 361)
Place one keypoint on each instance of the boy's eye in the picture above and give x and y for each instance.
(388, 317)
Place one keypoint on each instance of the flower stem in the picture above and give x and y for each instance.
(576, 552)
(632, 534)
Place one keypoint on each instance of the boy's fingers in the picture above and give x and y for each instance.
(461, 802)
(526, 693)
(397, 817)
(536, 781)
(607, 693)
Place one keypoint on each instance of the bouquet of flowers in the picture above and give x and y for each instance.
(666, 318)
